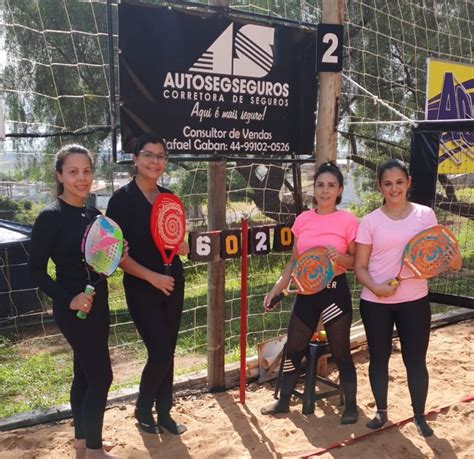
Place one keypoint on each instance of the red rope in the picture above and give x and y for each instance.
(349, 441)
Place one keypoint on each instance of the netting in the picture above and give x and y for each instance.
(454, 201)
(54, 63)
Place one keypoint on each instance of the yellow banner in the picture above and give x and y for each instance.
(450, 96)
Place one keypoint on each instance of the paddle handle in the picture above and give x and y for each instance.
(276, 299)
(89, 290)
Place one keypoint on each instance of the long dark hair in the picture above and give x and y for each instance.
(391, 164)
(332, 168)
(61, 156)
(149, 138)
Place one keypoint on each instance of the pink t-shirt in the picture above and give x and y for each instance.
(388, 239)
(337, 229)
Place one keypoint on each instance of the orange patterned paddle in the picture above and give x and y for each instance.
(311, 272)
(429, 253)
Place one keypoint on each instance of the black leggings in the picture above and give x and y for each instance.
(334, 305)
(413, 320)
(157, 318)
(92, 369)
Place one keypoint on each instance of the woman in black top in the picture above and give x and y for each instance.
(57, 234)
(155, 301)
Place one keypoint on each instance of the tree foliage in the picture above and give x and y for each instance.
(56, 76)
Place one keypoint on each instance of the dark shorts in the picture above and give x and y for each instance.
(332, 303)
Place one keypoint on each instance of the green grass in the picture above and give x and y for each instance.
(42, 379)
(34, 381)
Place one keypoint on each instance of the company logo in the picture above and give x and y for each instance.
(455, 101)
(253, 46)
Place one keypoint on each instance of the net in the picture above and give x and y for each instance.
(55, 88)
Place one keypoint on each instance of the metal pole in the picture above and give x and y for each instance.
(112, 104)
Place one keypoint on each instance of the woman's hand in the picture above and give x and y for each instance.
(332, 253)
(386, 289)
(124, 251)
(268, 298)
(283, 282)
(183, 249)
(451, 256)
(82, 302)
(336, 257)
(161, 282)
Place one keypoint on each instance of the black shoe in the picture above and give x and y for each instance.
(350, 415)
(171, 426)
(379, 420)
(280, 406)
(147, 423)
(422, 426)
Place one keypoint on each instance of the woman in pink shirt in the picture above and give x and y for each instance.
(381, 239)
(335, 229)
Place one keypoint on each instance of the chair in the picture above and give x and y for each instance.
(315, 350)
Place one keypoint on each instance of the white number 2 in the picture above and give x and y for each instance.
(261, 238)
(328, 56)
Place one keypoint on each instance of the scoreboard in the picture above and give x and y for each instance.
(215, 245)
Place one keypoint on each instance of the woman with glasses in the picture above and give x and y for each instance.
(155, 300)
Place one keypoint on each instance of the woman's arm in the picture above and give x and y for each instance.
(346, 260)
(118, 209)
(361, 268)
(159, 281)
(282, 282)
(44, 236)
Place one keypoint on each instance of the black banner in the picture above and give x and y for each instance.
(210, 83)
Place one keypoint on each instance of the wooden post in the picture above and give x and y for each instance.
(329, 93)
(216, 198)
(328, 115)
(216, 208)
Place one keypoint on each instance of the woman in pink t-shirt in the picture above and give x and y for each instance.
(335, 229)
(381, 239)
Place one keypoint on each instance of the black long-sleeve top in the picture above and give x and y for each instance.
(57, 234)
(132, 211)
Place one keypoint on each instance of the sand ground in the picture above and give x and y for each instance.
(218, 426)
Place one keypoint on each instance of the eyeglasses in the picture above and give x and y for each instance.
(150, 156)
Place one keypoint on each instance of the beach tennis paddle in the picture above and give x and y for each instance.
(425, 257)
(310, 274)
(168, 227)
(102, 247)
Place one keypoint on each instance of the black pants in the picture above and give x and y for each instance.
(334, 305)
(413, 320)
(157, 318)
(92, 369)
